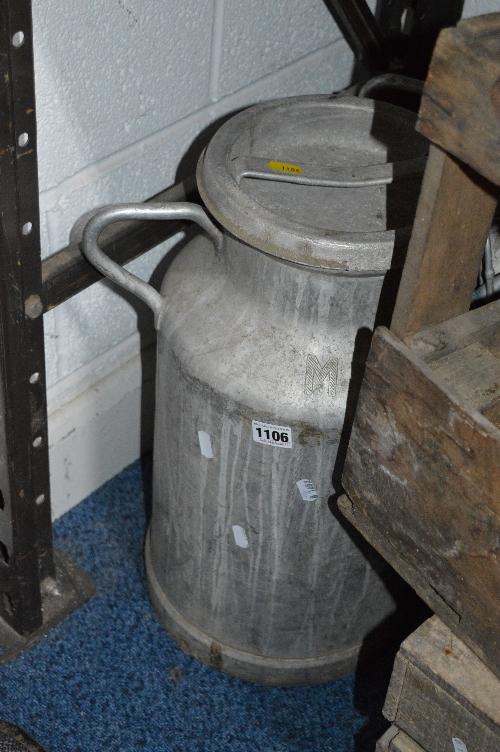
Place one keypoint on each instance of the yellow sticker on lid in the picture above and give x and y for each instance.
(285, 167)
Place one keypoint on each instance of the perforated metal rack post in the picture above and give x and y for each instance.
(38, 586)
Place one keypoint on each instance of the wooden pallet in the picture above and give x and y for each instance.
(440, 691)
(422, 472)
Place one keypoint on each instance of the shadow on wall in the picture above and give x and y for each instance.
(147, 335)
(187, 164)
(145, 324)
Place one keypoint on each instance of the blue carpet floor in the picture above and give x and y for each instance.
(109, 678)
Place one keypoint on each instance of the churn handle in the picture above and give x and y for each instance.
(121, 212)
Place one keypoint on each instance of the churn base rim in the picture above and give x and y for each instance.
(260, 669)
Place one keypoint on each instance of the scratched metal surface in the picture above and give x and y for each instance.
(351, 229)
(245, 336)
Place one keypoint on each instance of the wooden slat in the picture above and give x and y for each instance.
(460, 108)
(465, 353)
(454, 214)
(440, 690)
(473, 374)
(436, 342)
(386, 547)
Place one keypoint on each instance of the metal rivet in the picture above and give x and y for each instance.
(37, 442)
(34, 377)
(33, 306)
(27, 227)
(18, 39)
(23, 139)
(40, 499)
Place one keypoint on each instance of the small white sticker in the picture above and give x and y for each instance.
(307, 490)
(265, 433)
(205, 444)
(240, 538)
(459, 745)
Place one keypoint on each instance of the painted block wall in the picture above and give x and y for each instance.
(124, 89)
(479, 7)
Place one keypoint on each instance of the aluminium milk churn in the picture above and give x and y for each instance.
(248, 567)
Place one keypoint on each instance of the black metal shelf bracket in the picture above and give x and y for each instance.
(400, 36)
(37, 585)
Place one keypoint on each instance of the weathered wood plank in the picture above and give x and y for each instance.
(473, 373)
(423, 468)
(452, 221)
(480, 325)
(460, 109)
(395, 740)
(440, 690)
(386, 549)
(465, 352)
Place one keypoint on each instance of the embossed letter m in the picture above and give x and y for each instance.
(315, 371)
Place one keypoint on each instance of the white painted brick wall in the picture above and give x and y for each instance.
(123, 89)
(479, 7)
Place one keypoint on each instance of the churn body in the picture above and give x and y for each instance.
(248, 566)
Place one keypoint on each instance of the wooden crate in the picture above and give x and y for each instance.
(442, 695)
(422, 472)
(423, 469)
(395, 740)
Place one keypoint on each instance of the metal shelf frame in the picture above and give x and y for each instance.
(38, 585)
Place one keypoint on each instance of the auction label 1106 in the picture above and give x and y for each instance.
(266, 433)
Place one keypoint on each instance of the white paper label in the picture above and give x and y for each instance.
(265, 433)
(459, 745)
(240, 537)
(205, 444)
(307, 490)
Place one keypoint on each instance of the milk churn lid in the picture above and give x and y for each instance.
(331, 183)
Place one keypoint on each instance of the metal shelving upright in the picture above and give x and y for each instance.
(37, 585)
